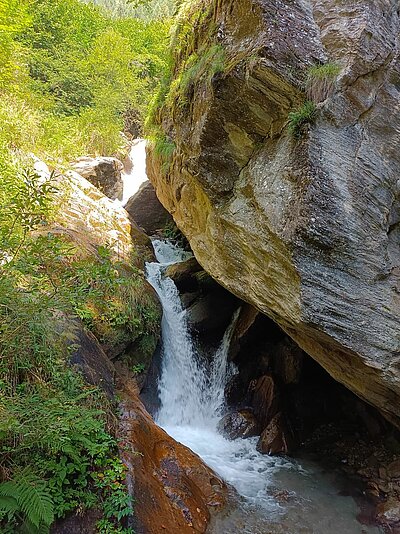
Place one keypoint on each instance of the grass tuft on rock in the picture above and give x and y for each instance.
(300, 118)
(320, 81)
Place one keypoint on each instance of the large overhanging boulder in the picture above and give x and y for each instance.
(303, 225)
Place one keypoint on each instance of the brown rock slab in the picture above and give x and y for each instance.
(265, 400)
(275, 438)
(393, 469)
(288, 361)
(211, 311)
(174, 490)
(146, 210)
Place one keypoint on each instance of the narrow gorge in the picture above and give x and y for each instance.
(199, 267)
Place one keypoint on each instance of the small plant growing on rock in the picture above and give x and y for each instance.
(300, 118)
(138, 368)
(320, 81)
(164, 149)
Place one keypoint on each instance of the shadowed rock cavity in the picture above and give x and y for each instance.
(306, 230)
(288, 394)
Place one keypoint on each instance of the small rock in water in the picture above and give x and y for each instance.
(275, 439)
(240, 424)
(389, 511)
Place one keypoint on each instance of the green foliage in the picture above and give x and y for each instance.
(27, 496)
(171, 231)
(143, 9)
(209, 64)
(197, 68)
(300, 118)
(117, 504)
(42, 275)
(138, 368)
(184, 67)
(163, 149)
(193, 62)
(70, 73)
(320, 81)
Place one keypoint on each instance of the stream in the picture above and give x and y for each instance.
(273, 495)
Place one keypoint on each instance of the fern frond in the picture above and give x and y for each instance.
(8, 505)
(34, 500)
(9, 489)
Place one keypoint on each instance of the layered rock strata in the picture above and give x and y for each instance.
(305, 227)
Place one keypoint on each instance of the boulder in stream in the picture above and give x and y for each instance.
(275, 438)
(241, 424)
(147, 211)
(103, 172)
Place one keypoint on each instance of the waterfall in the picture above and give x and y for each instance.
(134, 173)
(192, 400)
(191, 392)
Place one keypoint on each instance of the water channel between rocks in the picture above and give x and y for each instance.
(273, 495)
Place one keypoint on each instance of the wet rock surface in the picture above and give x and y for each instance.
(79, 523)
(174, 490)
(241, 424)
(305, 230)
(275, 438)
(87, 354)
(265, 400)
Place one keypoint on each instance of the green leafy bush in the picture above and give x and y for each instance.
(48, 470)
(69, 74)
(27, 496)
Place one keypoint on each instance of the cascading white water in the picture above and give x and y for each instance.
(192, 399)
(134, 173)
(190, 393)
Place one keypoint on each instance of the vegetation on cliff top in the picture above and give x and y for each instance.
(188, 65)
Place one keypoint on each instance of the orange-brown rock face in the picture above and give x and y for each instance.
(174, 491)
(306, 228)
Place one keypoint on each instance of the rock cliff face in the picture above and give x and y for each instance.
(304, 228)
